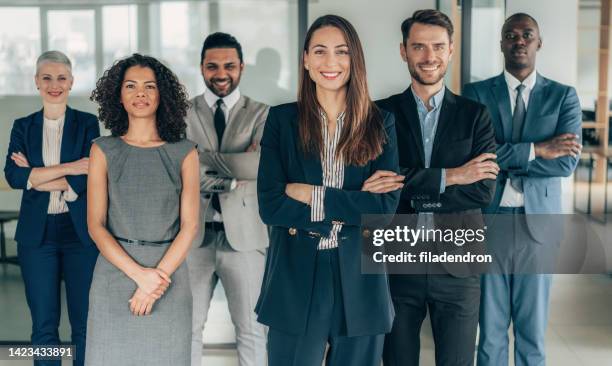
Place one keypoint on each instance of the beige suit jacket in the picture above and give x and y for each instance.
(220, 164)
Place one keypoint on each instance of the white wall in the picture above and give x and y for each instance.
(378, 25)
(558, 22)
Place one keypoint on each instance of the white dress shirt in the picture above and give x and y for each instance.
(511, 197)
(229, 101)
(51, 149)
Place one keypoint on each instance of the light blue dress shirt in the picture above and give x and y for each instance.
(429, 123)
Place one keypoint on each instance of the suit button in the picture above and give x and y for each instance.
(366, 233)
(292, 231)
(439, 204)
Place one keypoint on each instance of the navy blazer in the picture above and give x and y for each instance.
(80, 128)
(288, 280)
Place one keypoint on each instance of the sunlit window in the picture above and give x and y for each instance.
(19, 48)
(73, 32)
(119, 32)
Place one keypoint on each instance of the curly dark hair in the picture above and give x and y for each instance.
(173, 102)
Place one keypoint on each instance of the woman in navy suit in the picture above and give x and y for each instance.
(325, 161)
(48, 159)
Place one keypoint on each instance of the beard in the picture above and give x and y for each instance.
(421, 80)
(222, 91)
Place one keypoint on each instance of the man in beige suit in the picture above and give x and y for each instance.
(232, 242)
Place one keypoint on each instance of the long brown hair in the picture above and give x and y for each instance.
(363, 133)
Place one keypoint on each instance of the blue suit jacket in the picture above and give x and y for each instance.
(80, 129)
(288, 280)
(553, 109)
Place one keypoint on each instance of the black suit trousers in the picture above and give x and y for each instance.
(453, 305)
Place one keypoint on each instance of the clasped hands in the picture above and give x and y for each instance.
(152, 284)
(382, 181)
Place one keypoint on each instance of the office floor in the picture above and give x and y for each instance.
(579, 333)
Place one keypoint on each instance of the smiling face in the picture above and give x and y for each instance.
(221, 69)
(520, 42)
(139, 93)
(427, 51)
(54, 81)
(327, 59)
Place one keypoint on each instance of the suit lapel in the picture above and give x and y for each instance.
(207, 122)
(236, 115)
(536, 97)
(313, 171)
(68, 135)
(502, 99)
(447, 113)
(411, 120)
(35, 141)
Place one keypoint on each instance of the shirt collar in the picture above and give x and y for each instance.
(229, 100)
(435, 100)
(324, 116)
(54, 122)
(513, 82)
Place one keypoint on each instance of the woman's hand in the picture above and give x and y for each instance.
(383, 181)
(20, 160)
(299, 192)
(77, 167)
(153, 282)
(141, 303)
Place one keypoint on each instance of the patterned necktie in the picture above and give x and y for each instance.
(518, 120)
(220, 128)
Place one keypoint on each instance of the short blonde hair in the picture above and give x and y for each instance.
(53, 57)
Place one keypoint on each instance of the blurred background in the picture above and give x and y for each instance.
(576, 50)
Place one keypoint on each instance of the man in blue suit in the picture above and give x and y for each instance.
(537, 124)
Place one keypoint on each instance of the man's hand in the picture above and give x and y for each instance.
(299, 192)
(383, 181)
(563, 145)
(477, 169)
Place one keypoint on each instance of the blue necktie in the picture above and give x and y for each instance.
(518, 120)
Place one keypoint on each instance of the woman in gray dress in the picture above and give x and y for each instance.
(143, 196)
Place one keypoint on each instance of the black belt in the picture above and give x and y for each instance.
(216, 226)
(144, 242)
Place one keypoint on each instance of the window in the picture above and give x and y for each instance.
(19, 40)
(73, 32)
(119, 33)
(182, 28)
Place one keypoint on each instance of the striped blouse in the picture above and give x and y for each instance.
(333, 176)
(52, 143)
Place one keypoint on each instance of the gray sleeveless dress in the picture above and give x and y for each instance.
(144, 187)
